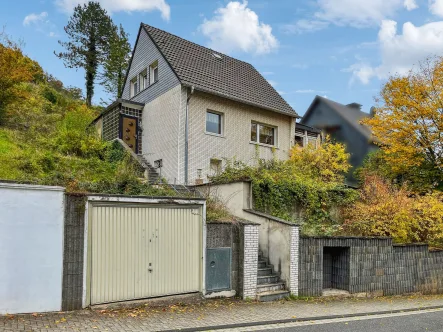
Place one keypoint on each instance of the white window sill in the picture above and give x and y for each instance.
(264, 145)
(214, 134)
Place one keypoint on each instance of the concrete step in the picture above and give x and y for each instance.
(264, 271)
(272, 295)
(262, 264)
(269, 279)
(271, 287)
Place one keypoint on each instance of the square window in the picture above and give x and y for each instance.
(153, 72)
(263, 134)
(213, 123)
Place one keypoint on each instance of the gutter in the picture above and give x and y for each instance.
(187, 135)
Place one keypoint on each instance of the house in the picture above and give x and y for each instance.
(186, 108)
(342, 124)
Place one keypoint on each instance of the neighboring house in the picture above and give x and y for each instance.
(186, 108)
(342, 124)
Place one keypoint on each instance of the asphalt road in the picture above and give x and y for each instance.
(404, 322)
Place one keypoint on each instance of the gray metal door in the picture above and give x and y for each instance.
(218, 269)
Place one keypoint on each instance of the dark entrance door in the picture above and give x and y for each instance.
(129, 131)
(336, 268)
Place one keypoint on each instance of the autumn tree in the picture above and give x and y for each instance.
(15, 68)
(89, 30)
(328, 162)
(408, 124)
(116, 63)
(394, 211)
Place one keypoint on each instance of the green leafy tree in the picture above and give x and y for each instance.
(117, 62)
(89, 30)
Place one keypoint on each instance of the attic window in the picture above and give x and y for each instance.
(218, 56)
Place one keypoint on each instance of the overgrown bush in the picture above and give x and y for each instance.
(309, 185)
(387, 210)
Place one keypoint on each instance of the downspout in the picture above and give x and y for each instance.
(187, 135)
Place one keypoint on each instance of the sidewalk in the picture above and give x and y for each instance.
(210, 314)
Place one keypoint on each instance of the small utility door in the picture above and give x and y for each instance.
(143, 251)
(129, 131)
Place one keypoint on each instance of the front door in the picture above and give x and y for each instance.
(129, 131)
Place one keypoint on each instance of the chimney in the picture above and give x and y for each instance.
(356, 106)
(372, 111)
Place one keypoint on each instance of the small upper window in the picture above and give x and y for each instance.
(134, 87)
(263, 134)
(153, 72)
(213, 123)
(143, 80)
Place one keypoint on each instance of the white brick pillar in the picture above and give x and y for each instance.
(294, 260)
(250, 261)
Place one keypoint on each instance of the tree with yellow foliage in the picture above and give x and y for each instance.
(15, 68)
(408, 124)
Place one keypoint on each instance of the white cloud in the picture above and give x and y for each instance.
(400, 52)
(41, 23)
(410, 4)
(113, 6)
(273, 83)
(357, 13)
(35, 18)
(436, 7)
(305, 26)
(309, 91)
(237, 28)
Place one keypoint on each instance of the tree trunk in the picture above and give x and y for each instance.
(91, 71)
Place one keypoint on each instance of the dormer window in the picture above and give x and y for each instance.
(134, 86)
(153, 72)
(143, 79)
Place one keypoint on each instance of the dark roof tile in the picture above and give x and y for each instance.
(216, 73)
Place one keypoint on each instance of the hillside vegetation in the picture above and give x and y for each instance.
(46, 137)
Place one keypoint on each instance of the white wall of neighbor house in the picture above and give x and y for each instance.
(31, 248)
(235, 139)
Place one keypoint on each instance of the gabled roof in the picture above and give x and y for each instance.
(215, 73)
(349, 113)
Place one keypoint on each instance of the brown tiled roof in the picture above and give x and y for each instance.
(216, 73)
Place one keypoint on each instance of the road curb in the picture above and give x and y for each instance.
(302, 319)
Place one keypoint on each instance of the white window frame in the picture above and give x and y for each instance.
(144, 79)
(222, 123)
(152, 68)
(134, 87)
(258, 134)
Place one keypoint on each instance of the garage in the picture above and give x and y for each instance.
(141, 250)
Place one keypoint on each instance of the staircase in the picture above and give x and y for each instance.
(269, 285)
(151, 172)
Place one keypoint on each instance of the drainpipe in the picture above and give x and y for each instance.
(187, 135)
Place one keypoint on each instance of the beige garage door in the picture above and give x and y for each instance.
(140, 251)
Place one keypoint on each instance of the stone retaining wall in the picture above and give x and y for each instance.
(376, 266)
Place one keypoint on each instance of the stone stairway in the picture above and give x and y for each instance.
(153, 176)
(269, 285)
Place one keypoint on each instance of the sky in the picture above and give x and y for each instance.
(341, 49)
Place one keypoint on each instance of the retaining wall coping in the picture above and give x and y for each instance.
(233, 222)
(268, 216)
(171, 198)
(384, 238)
